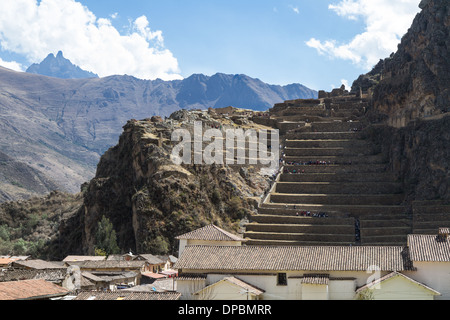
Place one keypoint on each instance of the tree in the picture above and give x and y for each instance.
(106, 238)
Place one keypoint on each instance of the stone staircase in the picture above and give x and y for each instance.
(428, 216)
(334, 188)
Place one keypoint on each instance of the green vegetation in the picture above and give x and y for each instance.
(106, 238)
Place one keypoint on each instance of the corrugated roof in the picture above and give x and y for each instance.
(210, 233)
(259, 258)
(429, 248)
(29, 290)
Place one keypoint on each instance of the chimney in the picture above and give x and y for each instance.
(443, 233)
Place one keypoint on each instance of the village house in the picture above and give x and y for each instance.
(127, 295)
(209, 271)
(83, 258)
(31, 290)
(36, 264)
(208, 235)
(111, 275)
(56, 276)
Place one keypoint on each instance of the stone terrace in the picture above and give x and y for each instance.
(334, 188)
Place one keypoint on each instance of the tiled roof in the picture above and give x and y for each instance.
(127, 295)
(37, 264)
(84, 258)
(391, 275)
(191, 277)
(6, 261)
(152, 259)
(429, 248)
(210, 233)
(29, 290)
(53, 275)
(259, 258)
(244, 285)
(319, 279)
(237, 282)
(111, 264)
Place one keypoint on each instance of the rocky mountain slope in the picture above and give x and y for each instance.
(411, 104)
(144, 194)
(414, 82)
(59, 67)
(61, 127)
(19, 180)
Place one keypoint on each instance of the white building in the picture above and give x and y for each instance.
(209, 271)
(209, 235)
(431, 257)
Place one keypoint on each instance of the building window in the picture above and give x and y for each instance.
(282, 279)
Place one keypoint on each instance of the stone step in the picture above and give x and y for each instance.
(385, 223)
(336, 126)
(337, 151)
(339, 168)
(341, 199)
(418, 218)
(310, 118)
(348, 106)
(344, 210)
(335, 188)
(431, 208)
(327, 143)
(335, 177)
(386, 231)
(300, 236)
(430, 231)
(389, 240)
(292, 219)
(323, 135)
(307, 111)
(374, 159)
(280, 243)
(301, 228)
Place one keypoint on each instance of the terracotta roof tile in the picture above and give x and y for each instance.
(36, 264)
(29, 290)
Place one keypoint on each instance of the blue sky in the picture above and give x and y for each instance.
(318, 43)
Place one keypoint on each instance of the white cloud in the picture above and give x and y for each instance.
(386, 22)
(295, 9)
(13, 65)
(35, 29)
(345, 83)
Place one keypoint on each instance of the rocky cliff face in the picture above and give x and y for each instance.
(414, 82)
(411, 104)
(149, 199)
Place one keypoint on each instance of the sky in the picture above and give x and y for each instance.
(321, 44)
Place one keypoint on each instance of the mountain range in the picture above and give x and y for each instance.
(59, 67)
(61, 127)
